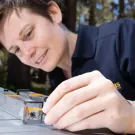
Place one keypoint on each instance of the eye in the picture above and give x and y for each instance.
(17, 49)
(28, 35)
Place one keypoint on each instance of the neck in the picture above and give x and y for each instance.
(66, 62)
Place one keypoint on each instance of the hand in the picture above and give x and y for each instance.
(88, 101)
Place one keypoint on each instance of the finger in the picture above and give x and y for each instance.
(93, 122)
(68, 86)
(72, 99)
(75, 98)
(81, 112)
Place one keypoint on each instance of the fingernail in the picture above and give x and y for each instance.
(45, 108)
(47, 121)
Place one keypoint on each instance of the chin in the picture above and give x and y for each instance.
(49, 69)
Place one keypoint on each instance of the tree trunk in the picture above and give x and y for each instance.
(92, 20)
(18, 73)
(131, 3)
(121, 9)
(69, 14)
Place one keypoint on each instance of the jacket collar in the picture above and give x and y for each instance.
(86, 42)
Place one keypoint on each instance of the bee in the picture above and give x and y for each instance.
(32, 115)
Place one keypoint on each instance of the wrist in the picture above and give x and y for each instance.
(131, 129)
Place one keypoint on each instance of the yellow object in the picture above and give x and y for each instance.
(27, 111)
(34, 109)
(35, 95)
(117, 85)
(12, 95)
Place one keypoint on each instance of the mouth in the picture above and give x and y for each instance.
(40, 59)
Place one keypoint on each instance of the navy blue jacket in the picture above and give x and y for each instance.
(109, 48)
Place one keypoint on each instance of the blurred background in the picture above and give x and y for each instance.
(15, 75)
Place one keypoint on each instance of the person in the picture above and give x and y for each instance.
(92, 71)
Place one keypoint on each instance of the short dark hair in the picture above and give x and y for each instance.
(36, 6)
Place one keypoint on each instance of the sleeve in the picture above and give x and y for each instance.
(125, 45)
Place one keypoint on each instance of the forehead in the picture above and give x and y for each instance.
(14, 23)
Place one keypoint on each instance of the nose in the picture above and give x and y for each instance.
(30, 52)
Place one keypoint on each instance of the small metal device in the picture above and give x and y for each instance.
(22, 107)
(32, 95)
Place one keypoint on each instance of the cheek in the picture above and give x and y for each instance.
(41, 41)
(42, 36)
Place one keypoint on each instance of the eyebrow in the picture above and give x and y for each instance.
(20, 34)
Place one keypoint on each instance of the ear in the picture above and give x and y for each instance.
(55, 12)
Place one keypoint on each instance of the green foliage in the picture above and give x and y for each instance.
(106, 10)
(3, 68)
(41, 88)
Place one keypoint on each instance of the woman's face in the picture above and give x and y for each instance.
(34, 39)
